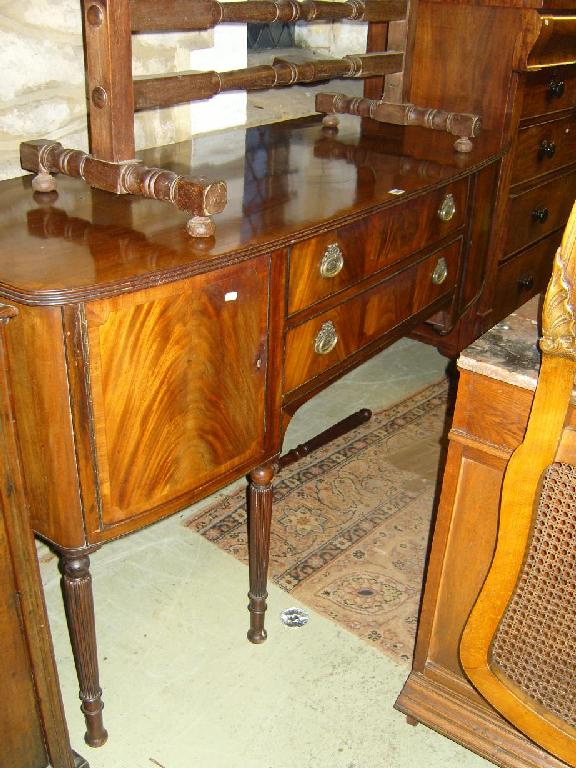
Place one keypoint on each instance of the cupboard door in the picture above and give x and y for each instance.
(177, 382)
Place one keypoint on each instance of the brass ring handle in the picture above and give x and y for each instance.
(326, 339)
(332, 261)
(448, 207)
(440, 271)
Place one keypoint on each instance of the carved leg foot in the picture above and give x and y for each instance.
(79, 604)
(412, 720)
(259, 517)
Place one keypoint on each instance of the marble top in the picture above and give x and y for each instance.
(508, 351)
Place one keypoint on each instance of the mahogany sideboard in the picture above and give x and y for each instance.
(149, 368)
(497, 380)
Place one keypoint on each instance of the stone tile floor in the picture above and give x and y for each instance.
(183, 687)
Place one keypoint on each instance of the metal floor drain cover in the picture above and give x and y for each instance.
(294, 617)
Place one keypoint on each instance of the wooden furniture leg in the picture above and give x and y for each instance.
(259, 517)
(79, 604)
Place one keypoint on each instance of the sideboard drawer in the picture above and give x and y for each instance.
(539, 211)
(523, 276)
(329, 338)
(326, 264)
(549, 90)
(544, 147)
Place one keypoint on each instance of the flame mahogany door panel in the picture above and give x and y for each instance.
(177, 387)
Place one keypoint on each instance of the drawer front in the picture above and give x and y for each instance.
(539, 211)
(549, 90)
(522, 277)
(545, 147)
(328, 263)
(328, 339)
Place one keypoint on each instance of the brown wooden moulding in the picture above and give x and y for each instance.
(151, 16)
(459, 124)
(199, 197)
(166, 90)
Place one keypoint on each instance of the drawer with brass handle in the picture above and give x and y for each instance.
(329, 338)
(544, 147)
(328, 263)
(539, 211)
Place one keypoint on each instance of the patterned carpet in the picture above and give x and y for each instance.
(351, 522)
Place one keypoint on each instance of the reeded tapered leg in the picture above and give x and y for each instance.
(79, 604)
(259, 517)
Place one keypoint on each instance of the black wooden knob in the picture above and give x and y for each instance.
(547, 149)
(526, 283)
(540, 214)
(556, 89)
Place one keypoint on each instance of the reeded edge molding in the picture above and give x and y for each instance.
(233, 256)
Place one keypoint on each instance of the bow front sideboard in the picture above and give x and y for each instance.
(149, 368)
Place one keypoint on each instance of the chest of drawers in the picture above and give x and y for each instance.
(514, 63)
(542, 185)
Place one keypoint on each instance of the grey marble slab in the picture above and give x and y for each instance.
(508, 351)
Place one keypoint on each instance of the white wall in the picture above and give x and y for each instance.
(42, 88)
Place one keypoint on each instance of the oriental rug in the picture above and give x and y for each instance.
(351, 522)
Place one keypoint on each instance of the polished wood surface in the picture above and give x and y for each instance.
(372, 245)
(156, 368)
(87, 244)
(366, 317)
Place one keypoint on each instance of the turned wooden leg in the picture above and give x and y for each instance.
(79, 604)
(327, 436)
(259, 517)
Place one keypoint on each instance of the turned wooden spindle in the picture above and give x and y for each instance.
(151, 16)
(170, 89)
(461, 124)
(79, 605)
(199, 197)
(260, 516)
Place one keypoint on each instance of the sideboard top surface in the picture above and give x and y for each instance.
(286, 181)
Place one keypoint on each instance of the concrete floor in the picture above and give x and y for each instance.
(183, 687)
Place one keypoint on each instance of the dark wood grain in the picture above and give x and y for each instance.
(148, 16)
(260, 516)
(539, 211)
(544, 147)
(367, 316)
(549, 90)
(108, 43)
(166, 90)
(523, 276)
(79, 605)
(371, 245)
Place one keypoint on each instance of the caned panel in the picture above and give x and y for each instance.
(177, 377)
(534, 645)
